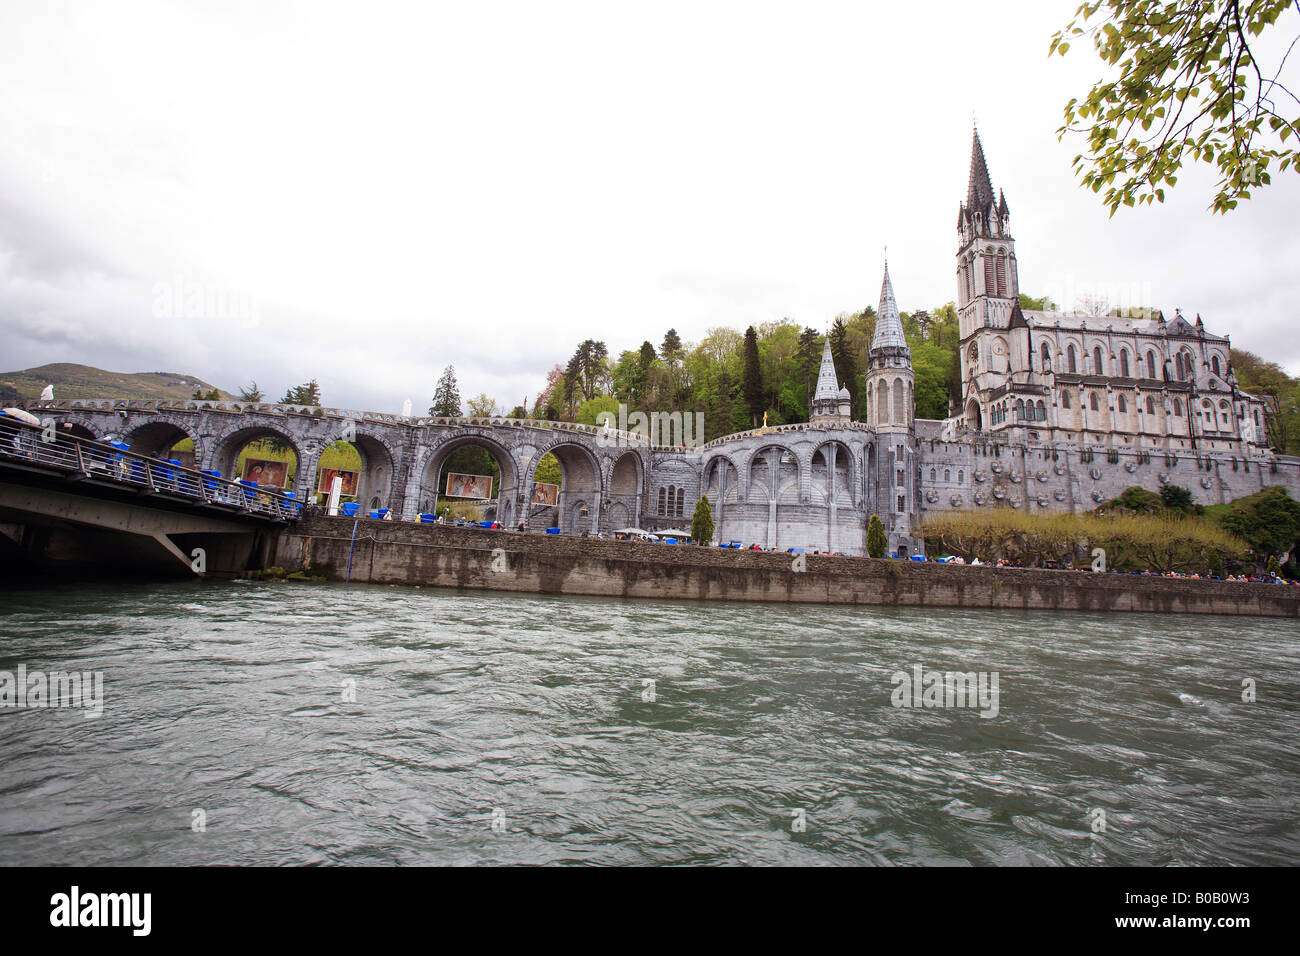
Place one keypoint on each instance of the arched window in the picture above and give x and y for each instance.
(663, 509)
(681, 500)
(900, 406)
(1020, 409)
(1178, 407)
(1097, 367)
(1073, 364)
(1123, 405)
(1214, 364)
(1092, 401)
(1123, 362)
(882, 403)
(1153, 369)
(1047, 357)
(1042, 411)
(961, 476)
(947, 474)
(1065, 399)
(1002, 274)
(1226, 411)
(933, 475)
(1257, 418)
(1151, 405)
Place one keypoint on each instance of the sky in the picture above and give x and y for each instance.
(366, 193)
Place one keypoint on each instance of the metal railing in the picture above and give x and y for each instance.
(30, 445)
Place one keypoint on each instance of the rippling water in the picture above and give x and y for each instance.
(534, 713)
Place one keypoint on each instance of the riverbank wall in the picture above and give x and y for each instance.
(394, 552)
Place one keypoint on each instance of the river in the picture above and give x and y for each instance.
(259, 723)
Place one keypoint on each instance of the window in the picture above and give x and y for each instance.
(1214, 363)
(1151, 405)
(681, 501)
(1092, 401)
(947, 474)
(1097, 368)
(1153, 369)
(1178, 406)
(1002, 274)
(902, 478)
(933, 474)
(1065, 399)
(1047, 358)
(902, 506)
(663, 510)
(1020, 409)
(1073, 365)
(1123, 406)
(1123, 362)
(961, 476)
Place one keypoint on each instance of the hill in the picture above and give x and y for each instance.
(83, 381)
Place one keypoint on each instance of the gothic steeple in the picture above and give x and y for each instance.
(979, 196)
(889, 325)
(830, 404)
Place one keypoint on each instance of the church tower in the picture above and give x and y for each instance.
(830, 403)
(892, 459)
(988, 283)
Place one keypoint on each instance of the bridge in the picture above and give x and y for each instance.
(67, 500)
(605, 471)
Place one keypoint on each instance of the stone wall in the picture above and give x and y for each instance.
(403, 553)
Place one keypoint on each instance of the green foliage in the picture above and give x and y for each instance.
(306, 394)
(548, 470)
(481, 406)
(251, 394)
(446, 395)
(1269, 521)
(1136, 500)
(877, 542)
(1176, 498)
(1280, 393)
(753, 378)
(1045, 304)
(702, 522)
(1272, 566)
(588, 411)
(1185, 84)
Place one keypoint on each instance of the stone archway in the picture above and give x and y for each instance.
(157, 437)
(375, 478)
(506, 496)
(580, 484)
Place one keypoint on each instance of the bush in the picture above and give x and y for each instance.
(702, 522)
(877, 543)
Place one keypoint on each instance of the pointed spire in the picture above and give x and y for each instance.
(979, 196)
(828, 386)
(889, 325)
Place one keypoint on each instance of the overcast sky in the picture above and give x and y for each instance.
(367, 192)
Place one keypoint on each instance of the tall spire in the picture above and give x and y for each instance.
(827, 385)
(980, 194)
(889, 325)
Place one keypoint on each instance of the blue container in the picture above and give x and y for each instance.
(210, 482)
(350, 509)
(552, 530)
(428, 518)
(668, 540)
(918, 557)
(250, 488)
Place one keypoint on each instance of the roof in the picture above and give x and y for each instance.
(1116, 323)
(828, 387)
(889, 325)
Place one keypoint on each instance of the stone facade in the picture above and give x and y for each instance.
(1059, 413)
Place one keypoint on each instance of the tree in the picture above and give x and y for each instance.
(1176, 498)
(1280, 393)
(671, 348)
(1268, 520)
(446, 396)
(1189, 87)
(307, 394)
(753, 380)
(877, 543)
(1045, 304)
(251, 394)
(481, 406)
(846, 366)
(702, 522)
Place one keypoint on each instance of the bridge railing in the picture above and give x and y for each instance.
(79, 457)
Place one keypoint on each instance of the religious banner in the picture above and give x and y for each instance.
(468, 486)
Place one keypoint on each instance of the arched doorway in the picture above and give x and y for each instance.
(470, 477)
(365, 468)
(974, 420)
(259, 453)
(578, 503)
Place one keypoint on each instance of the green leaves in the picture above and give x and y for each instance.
(1187, 84)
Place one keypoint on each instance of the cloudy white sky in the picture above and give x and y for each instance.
(375, 191)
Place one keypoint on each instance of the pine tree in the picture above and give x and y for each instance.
(877, 543)
(846, 368)
(702, 522)
(307, 394)
(753, 377)
(446, 397)
(251, 394)
(671, 349)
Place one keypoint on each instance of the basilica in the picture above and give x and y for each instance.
(1059, 412)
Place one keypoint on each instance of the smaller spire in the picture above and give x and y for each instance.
(828, 387)
(889, 325)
